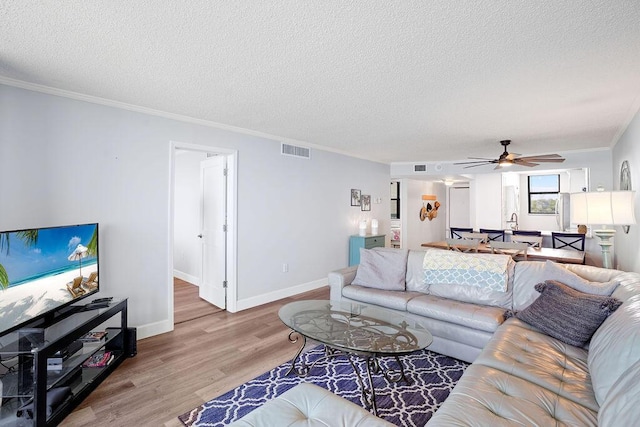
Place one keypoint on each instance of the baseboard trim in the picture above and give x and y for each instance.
(157, 328)
(151, 329)
(247, 303)
(186, 277)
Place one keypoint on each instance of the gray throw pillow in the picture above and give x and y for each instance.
(382, 269)
(566, 314)
(553, 271)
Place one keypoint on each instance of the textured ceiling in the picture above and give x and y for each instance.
(385, 80)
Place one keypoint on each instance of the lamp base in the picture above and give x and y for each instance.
(605, 243)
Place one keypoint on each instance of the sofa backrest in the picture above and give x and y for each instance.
(615, 346)
(415, 272)
(529, 273)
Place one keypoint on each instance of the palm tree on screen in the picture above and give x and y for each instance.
(28, 237)
(92, 246)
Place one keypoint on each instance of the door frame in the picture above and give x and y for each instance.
(232, 217)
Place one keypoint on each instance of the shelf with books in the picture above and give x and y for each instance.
(51, 367)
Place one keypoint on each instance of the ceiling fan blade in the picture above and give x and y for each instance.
(543, 156)
(480, 164)
(525, 163)
(487, 161)
(541, 160)
(547, 160)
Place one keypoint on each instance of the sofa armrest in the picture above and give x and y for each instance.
(339, 279)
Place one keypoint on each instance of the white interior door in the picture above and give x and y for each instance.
(213, 234)
(459, 207)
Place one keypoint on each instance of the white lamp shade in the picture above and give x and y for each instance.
(603, 207)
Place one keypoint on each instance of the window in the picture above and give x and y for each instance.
(543, 194)
(395, 200)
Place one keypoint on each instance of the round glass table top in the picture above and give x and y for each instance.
(356, 327)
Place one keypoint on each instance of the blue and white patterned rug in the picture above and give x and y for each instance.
(431, 376)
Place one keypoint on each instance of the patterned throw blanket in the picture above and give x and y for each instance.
(488, 272)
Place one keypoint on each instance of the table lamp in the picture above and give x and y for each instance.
(604, 208)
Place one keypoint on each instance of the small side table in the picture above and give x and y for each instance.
(369, 241)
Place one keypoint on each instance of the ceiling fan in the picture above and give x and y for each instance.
(508, 159)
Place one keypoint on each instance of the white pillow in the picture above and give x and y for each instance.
(382, 269)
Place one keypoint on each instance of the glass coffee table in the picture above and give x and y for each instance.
(353, 329)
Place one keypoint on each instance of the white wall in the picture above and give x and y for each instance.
(64, 161)
(417, 232)
(486, 201)
(187, 247)
(627, 256)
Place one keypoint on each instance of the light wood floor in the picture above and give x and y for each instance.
(187, 303)
(177, 371)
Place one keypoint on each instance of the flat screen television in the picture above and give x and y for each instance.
(43, 269)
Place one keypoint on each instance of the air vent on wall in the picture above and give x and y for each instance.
(295, 151)
(419, 168)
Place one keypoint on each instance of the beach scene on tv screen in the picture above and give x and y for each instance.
(41, 269)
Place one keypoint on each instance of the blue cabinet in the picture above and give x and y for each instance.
(369, 241)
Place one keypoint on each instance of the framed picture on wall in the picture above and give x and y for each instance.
(366, 202)
(355, 197)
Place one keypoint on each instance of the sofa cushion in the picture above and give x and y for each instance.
(474, 295)
(382, 269)
(615, 347)
(553, 271)
(520, 350)
(484, 318)
(621, 405)
(309, 405)
(485, 396)
(396, 300)
(567, 314)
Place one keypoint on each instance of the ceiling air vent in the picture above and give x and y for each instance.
(419, 168)
(295, 151)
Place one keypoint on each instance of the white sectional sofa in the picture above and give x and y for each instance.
(520, 375)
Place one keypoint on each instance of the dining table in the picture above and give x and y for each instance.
(566, 256)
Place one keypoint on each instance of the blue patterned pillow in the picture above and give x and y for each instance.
(566, 314)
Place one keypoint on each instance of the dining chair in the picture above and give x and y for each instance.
(462, 245)
(455, 232)
(531, 240)
(494, 235)
(568, 240)
(480, 237)
(513, 249)
(526, 233)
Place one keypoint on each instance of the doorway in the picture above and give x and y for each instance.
(459, 207)
(191, 258)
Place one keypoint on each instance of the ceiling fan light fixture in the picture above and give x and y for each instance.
(507, 159)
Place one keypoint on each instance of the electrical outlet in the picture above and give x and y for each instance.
(285, 267)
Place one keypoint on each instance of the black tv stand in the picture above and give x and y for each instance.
(27, 350)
